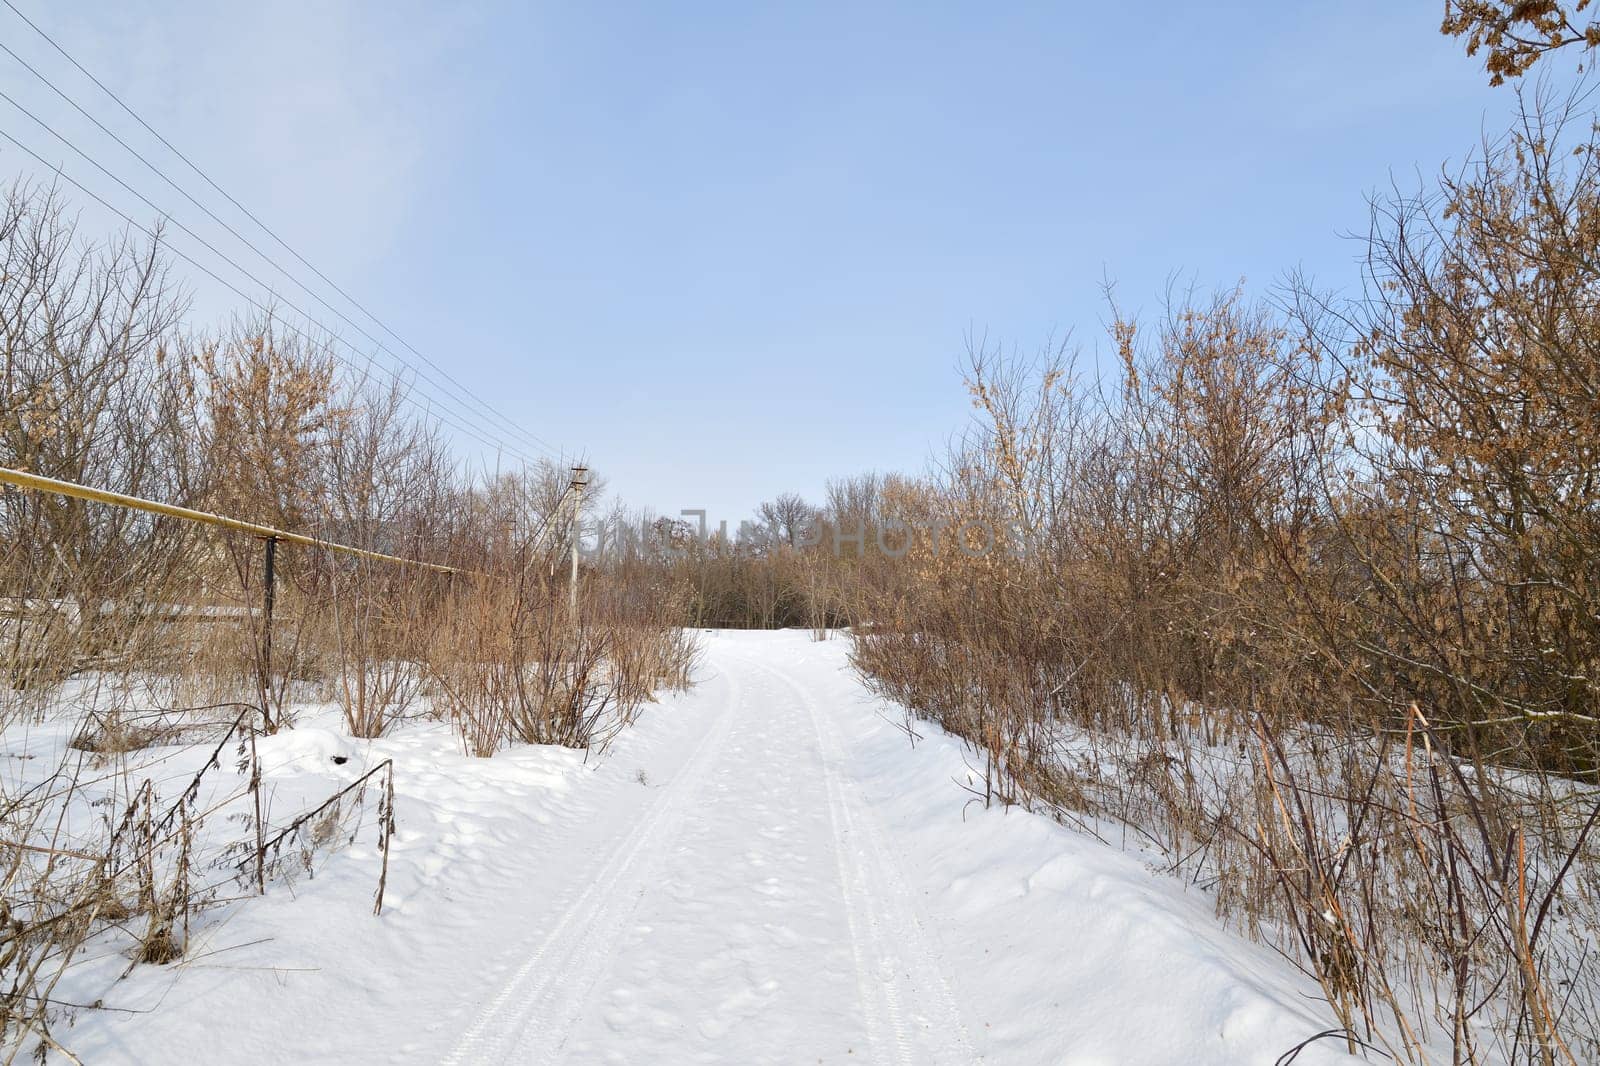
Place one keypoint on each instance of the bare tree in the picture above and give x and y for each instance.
(788, 518)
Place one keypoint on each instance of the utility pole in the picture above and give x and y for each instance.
(580, 479)
(269, 596)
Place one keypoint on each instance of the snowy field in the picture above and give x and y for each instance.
(764, 870)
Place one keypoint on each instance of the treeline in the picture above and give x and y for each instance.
(792, 564)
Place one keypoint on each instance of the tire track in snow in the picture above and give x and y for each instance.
(552, 985)
(879, 998)
(857, 903)
(905, 978)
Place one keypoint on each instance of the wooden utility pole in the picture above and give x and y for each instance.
(269, 597)
(580, 479)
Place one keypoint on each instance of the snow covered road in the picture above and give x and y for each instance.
(763, 871)
(748, 914)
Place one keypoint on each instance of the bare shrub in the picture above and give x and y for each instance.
(123, 630)
(1308, 607)
(473, 664)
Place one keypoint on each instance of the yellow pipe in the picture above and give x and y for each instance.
(25, 480)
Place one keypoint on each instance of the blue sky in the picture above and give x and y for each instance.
(732, 249)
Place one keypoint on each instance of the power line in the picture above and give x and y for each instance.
(527, 436)
(248, 214)
(426, 409)
(464, 413)
(226, 259)
(524, 437)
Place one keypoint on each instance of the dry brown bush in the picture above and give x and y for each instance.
(122, 630)
(1310, 608)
